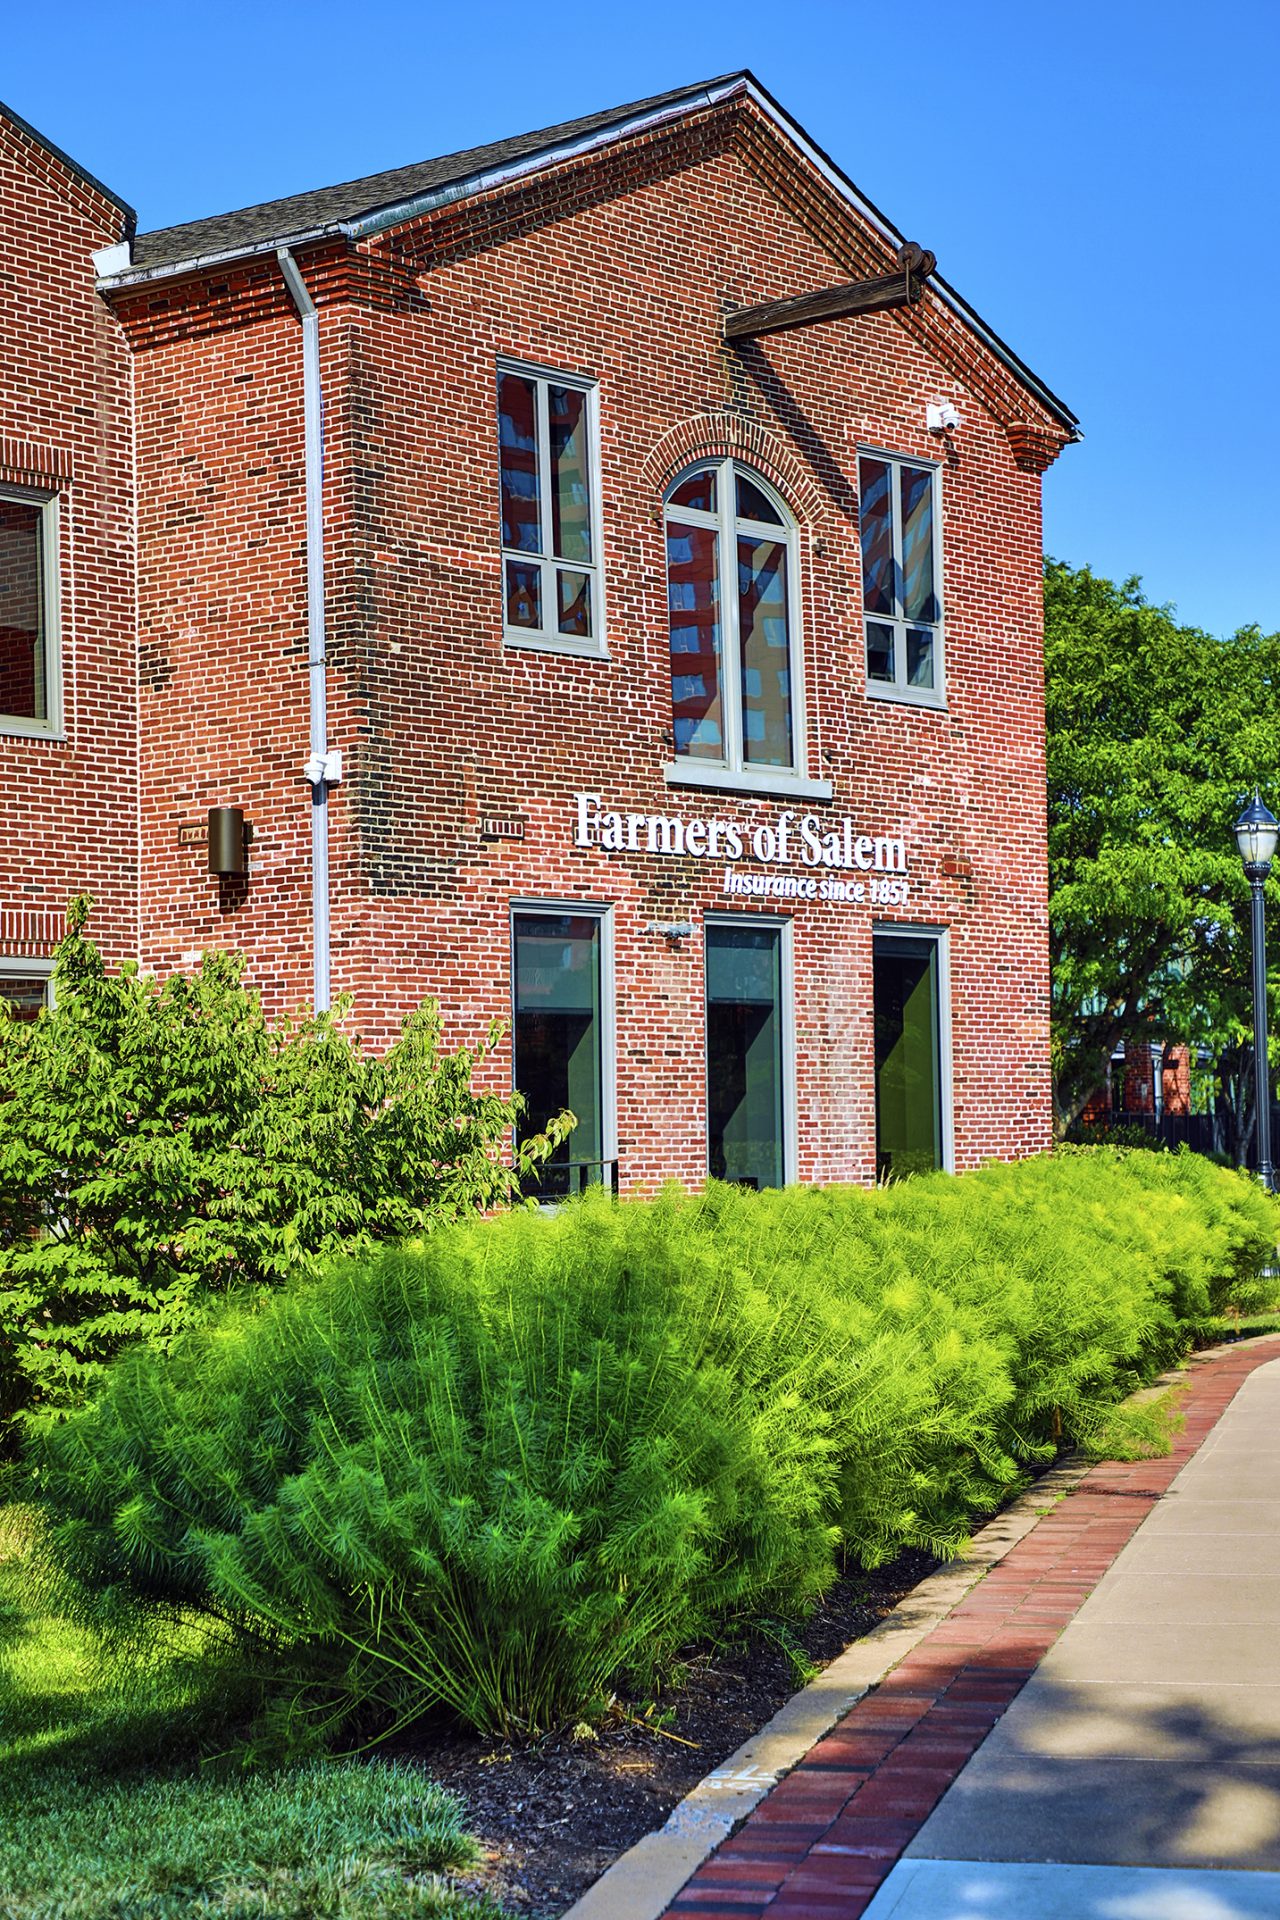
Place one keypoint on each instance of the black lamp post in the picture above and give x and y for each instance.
(1256, 834)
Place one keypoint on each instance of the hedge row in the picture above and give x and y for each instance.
(500, 1468)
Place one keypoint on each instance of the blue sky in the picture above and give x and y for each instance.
(1099, 181)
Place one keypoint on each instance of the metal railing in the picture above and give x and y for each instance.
(565, 1179)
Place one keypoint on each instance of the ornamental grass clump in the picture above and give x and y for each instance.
(494, 1471)
(502, 1469)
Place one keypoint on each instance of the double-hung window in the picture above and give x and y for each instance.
(901, 578)
(547, 454)
(30, 691)
(731, 595)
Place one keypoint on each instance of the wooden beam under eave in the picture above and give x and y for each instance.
(902, 288)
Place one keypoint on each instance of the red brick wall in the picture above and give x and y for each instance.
(68, 808)
(618, 269)
(1175, 1085)
(222, 645)
(1137, 1080)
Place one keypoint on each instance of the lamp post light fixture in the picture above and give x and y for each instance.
(1257, 831)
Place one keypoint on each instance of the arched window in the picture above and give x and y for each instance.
(731, 583)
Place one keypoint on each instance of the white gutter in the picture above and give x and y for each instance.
(113, 279)
(323, 767)
(483, 182)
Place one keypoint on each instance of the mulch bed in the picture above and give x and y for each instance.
(550, 1817)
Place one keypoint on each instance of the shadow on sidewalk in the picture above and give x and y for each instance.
(1176, 1775)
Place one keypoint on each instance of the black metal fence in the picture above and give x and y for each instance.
(1194, 1130)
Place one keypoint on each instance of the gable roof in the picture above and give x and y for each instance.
(358, 209)
(366, 203)
(73, 166)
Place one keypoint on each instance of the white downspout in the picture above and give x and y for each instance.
(323, 767)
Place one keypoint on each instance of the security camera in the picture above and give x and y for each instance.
(940, 416)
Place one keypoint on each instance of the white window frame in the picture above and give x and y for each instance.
(546, 639)
(602, 912)
(899, 689)
(890, 930)
(781, 924)
(13, 967)
(51, 727)
(732, 772)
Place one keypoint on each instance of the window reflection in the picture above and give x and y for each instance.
(737, 708)
(908, 1077)
(744, 1055)
(900, 590)
(693, 588)
(558, 1041)
(24, 693)
(546, 466)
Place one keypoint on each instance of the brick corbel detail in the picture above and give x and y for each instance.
(717, 436)
(1034, 448)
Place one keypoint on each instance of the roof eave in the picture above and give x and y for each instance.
(381, 219)
(486, 179)
(837, 178)
(129, 277)
(73, 166)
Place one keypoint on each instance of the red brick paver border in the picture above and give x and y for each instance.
(818, 1846)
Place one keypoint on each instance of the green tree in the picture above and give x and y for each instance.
(163, 1142)
(1157, 731)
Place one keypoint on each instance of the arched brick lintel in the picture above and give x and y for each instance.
(717, 436)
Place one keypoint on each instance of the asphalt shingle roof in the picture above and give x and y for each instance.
(299, 213)
(327, 209)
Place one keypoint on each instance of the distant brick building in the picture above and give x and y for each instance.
(684, 660)
(68, 679)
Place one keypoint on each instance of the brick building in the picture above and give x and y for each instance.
(681, 648)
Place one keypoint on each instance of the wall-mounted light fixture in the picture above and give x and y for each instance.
(229, 837)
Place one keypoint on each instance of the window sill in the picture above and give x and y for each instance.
(907, 696)
(758, 780)
(551, 643)
(31, 730)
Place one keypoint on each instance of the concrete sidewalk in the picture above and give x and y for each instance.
(1137, 1774)
(1092, 1732)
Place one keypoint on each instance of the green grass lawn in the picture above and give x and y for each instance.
(1242, 1326)
(107, 1814)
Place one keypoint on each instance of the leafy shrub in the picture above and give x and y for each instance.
(160, 1144)
(500, 1468)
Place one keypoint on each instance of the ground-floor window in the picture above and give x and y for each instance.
(910, 1110)
(559, 1019)
(25, 985)
(747, 1053)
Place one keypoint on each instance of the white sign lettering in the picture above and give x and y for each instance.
(811, 841)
